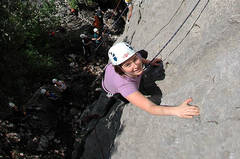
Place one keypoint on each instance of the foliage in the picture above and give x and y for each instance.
(91, 3)
(37, 60)
(73, 4)
(25, 42)
(27, 21)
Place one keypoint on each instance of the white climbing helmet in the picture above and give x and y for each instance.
(43, 91)
(72, 64)
(83, 36)
(120, 52)
(11, 104)
(95, 30)
(54, 80)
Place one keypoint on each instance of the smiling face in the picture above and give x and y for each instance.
(133, 66)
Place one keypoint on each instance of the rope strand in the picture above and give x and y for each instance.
(112, 25)
(173, 34)
(188, 31)
(165, 24)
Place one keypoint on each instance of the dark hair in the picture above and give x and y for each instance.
(119, 70)
(143, 53)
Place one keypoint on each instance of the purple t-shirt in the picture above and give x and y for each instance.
(115, 83)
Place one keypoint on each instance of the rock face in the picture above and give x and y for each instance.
(205, 66)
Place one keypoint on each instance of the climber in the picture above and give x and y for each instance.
(87, 45)
(96, 37)
(99, 14)
(96, 23)
(74, 11)
(59, 84)
(130, 9)
(48, 94)
(122, 76)
(13, 106)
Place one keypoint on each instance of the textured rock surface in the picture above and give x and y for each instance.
(205, 67)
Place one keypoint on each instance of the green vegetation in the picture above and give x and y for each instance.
(26, 50)
(73, 4)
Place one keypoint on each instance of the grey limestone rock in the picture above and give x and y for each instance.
(205, 66)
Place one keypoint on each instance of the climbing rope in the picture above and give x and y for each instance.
(165, 24)
(188, 31)
(113, 12)
(116, 7)
(173, 34)
(112, 25)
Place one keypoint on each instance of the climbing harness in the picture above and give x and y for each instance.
(188, 31)
(165, 24)
(173, 34)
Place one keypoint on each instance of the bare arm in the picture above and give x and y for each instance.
(184, 110)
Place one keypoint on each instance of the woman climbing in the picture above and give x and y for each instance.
(122, 77)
